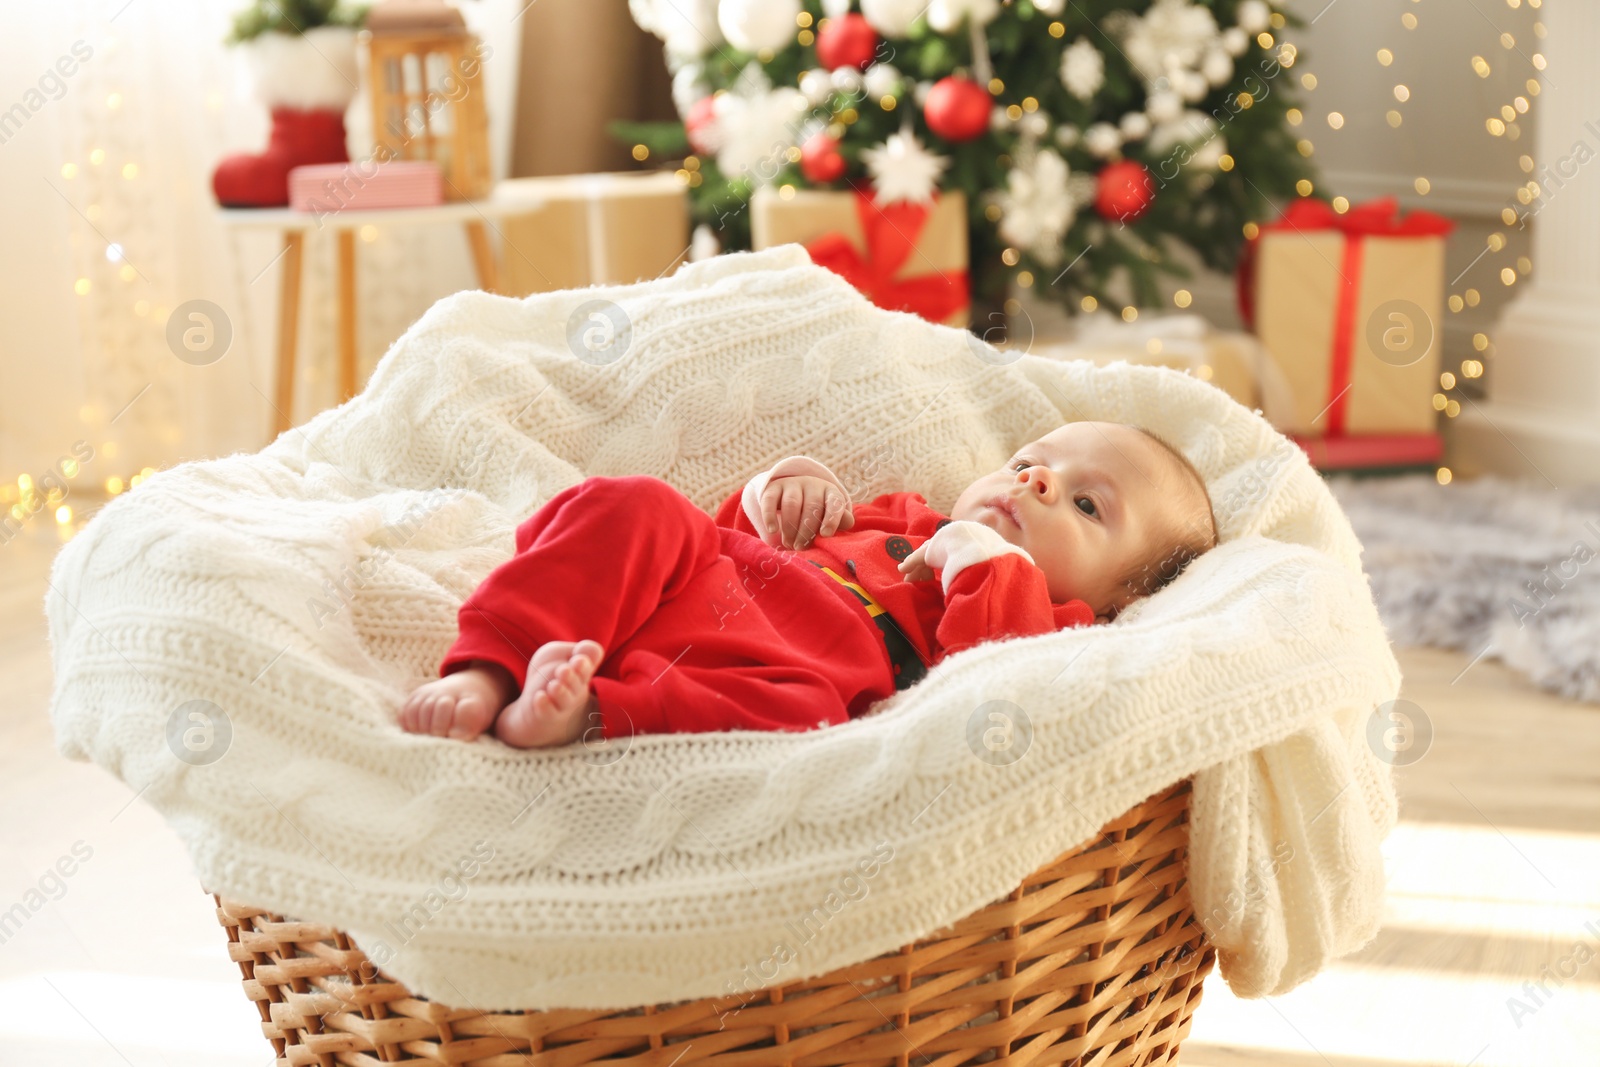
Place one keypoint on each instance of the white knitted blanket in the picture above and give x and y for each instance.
(304, 590)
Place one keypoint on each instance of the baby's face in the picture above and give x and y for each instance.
(1089, 502)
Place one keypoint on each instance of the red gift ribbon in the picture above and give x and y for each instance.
(891, 232)
(1379, 218)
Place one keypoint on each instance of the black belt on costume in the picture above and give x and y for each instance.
(908, 666)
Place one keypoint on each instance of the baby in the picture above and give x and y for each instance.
(627, 609)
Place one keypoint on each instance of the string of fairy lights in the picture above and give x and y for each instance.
(25, 499)
(1501, 124)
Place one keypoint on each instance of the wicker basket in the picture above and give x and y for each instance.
(1096, 958)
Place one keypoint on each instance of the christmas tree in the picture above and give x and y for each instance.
(1089, 137)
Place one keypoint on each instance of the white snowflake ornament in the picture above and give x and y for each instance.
(846, 79)
(1254, 16)
(881, 80)
(1199, 135)
(755, 123)
(903, 169)
(1164, 105)
(1217, 66)
(1036, 208)
(1102, 139)
(688, 87)
(1172, 35)
(758, 25)
(816, 86)
(688, 28)
(892, 18)
(945, 15)
(1083, 69)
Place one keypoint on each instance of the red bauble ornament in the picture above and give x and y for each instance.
(697, 124)
(957, 108)
(847, 41)
(820, 160)
(1124, 191)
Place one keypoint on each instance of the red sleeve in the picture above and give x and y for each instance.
(1005, 596)
(731, 515)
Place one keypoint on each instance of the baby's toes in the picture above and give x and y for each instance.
(543, 705)
(468, 712)
(542, 678)
(419, 712)
(568, 679)
(441, 714)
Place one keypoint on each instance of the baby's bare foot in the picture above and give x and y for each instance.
(555, 701)
(459, 705)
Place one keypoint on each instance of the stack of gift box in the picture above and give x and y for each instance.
(1349, 305)
(1345, 306)
(1345, 309)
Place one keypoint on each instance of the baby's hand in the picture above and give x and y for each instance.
(798, 508)
(914, 566)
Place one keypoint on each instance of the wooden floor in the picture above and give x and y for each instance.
(1493, 873)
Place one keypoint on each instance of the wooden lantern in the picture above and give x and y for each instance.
(425, 77)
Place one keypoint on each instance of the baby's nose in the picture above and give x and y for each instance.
(1037, 479)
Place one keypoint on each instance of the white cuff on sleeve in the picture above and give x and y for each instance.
(750, 500)
(961, 543)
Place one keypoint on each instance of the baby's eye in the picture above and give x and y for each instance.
(1085, 505)
(1018, 463)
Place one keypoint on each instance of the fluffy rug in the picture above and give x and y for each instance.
(1490, 564)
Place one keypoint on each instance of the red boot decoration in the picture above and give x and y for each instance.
(298, 138)
(306, 81)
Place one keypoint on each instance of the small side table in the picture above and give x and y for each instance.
(473, 215)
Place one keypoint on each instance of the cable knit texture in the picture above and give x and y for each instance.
(307, 588)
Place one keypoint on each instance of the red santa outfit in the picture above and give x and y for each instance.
(706, 627)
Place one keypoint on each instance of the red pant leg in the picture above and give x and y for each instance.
(633, 564)
(594, 561)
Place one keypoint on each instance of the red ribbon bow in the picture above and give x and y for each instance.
(1375, 218)
(891, 232)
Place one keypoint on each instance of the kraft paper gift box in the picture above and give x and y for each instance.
(1349, 306)
(903, 256)
(593, 229)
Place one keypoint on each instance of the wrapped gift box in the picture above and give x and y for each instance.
(1373, 452)
(1350, 305)
(365, 186)
(593, 229)
(903, 256)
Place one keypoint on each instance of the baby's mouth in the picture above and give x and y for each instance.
(1006, 508)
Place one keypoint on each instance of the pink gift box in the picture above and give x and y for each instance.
(325, 188)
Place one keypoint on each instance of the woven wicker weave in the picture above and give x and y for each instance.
(1096, 958)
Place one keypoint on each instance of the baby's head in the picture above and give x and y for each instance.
(1109, 512)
